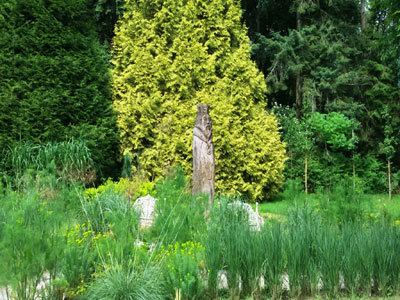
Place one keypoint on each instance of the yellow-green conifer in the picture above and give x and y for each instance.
(170, 55)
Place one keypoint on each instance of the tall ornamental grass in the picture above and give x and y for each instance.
(300, 246)
(385, 243)
(72, 159)
(274, 260)
(231, 246)
(303, 256)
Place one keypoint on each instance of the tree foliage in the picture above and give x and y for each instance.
(333, 129)
(54, 78)
(170, 55)
(332, 57)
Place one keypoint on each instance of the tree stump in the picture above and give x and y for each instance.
(203, 154)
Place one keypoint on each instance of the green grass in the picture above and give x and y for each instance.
(380, 204)
(373, 204)
(93, 247)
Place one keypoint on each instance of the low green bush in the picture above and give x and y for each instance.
(79, 258)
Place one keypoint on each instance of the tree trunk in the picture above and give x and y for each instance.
(363, 16)
(298, 77)
(354, 175)
(329, 170)
(354, 165)
(305, 174)
(291, 165)
(389, 181)
(313, 104)
(299, 96)
(298, 19)
(258, 19)
(203, 154)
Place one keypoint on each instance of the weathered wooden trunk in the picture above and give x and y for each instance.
(203, 154)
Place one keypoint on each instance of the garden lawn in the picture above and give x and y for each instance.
(373, 205)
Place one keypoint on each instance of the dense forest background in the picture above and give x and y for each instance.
(332, 70)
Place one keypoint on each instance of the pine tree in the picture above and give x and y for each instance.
(170, 55)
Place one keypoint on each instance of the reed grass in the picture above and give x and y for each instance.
(317, 257)
(300, 248)
(385, 258)
(273, 266)
(329, 259)
(71, 158)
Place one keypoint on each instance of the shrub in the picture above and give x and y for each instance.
(293, 190)
(347, 200)
(373, 172)
(171, 55)
(129, 188)
(344, 202)
(79, 258)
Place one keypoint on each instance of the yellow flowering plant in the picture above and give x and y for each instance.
(182, 267)
(79, 257)
(82, 234)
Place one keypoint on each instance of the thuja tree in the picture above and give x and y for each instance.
(54, 77)
(170, 55)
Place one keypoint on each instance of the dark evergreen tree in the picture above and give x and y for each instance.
(54, 77)
(383, 98)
